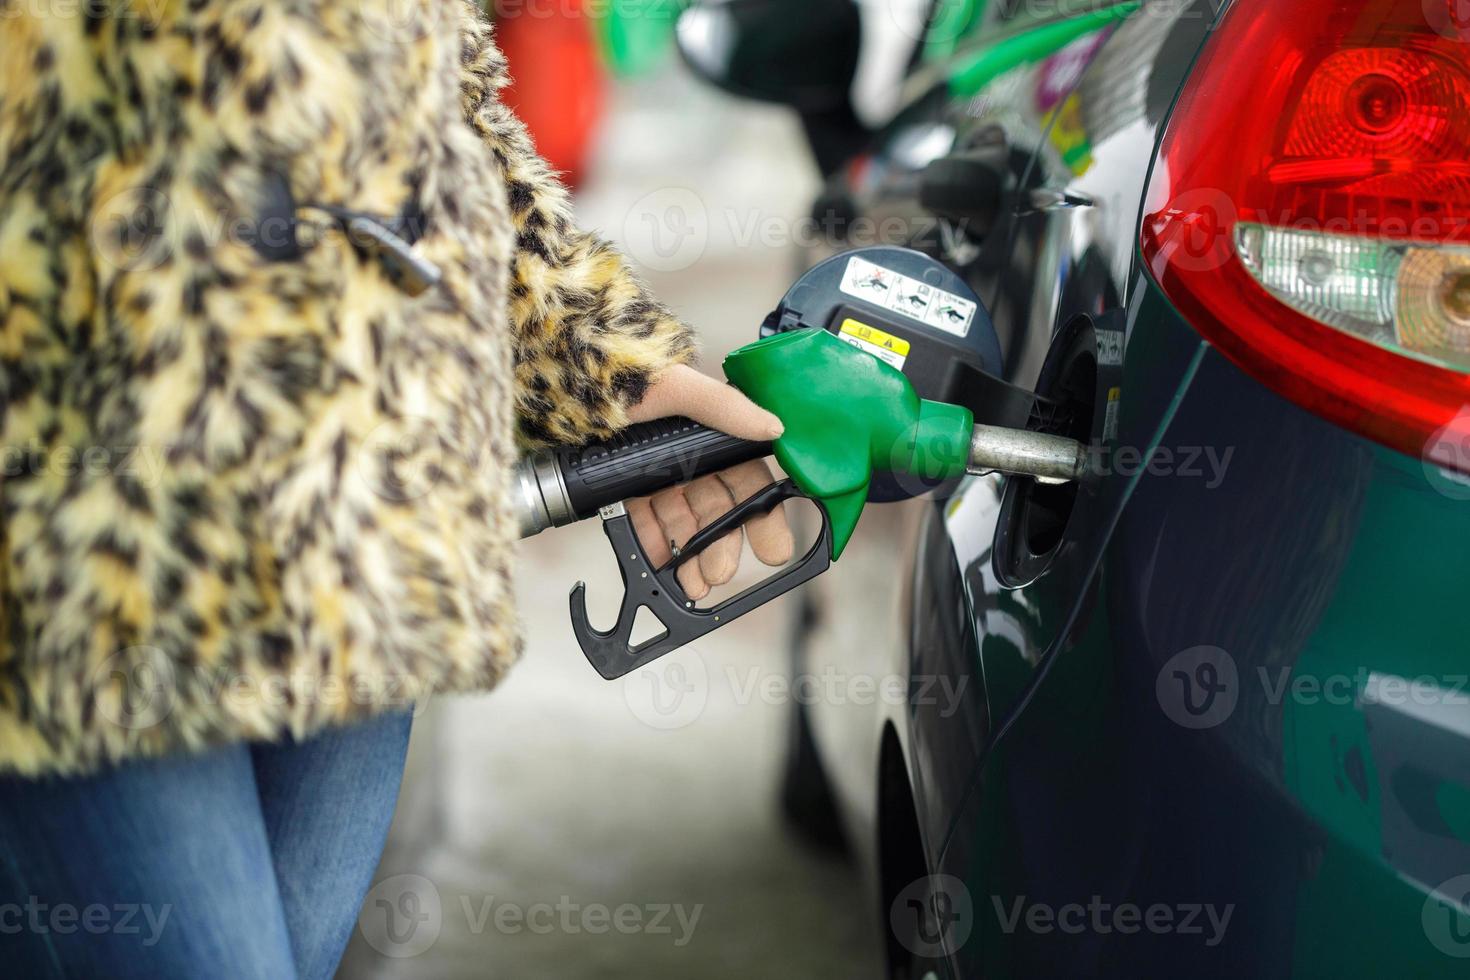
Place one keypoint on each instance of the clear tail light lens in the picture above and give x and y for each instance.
(1309, 211)
(1411, 299)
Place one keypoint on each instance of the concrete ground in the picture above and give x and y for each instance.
(567, 827)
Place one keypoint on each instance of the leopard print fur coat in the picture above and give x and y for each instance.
(250, 492)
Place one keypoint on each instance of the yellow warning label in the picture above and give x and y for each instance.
(875, 336)
(884, 346)
(1110, 419)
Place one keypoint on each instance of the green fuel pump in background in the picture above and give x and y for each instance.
(635, 34)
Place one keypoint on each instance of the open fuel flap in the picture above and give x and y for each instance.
(1075, 389)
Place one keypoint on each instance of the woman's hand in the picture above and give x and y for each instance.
(670, 518)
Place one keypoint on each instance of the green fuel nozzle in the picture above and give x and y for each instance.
(847, 415)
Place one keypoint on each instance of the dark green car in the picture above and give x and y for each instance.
(1208, 715)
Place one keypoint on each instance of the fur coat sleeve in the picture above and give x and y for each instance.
(588, 334)
(251, 487)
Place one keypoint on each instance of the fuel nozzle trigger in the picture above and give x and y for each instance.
(613, 652)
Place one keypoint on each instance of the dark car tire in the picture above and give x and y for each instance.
(807, 800)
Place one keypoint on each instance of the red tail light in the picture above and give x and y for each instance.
(1310, 211)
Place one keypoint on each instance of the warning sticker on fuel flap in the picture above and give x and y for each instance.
(884, 346)
(1110, 418)
(908, 297)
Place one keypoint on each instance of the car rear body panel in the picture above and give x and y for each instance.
(1257, 714)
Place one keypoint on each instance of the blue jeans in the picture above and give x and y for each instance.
(247, 861)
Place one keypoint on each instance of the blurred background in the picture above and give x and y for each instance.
(561, 794)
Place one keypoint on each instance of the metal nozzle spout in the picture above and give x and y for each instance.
(1021, 452)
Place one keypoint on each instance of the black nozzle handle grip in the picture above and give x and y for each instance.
(646, 458)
